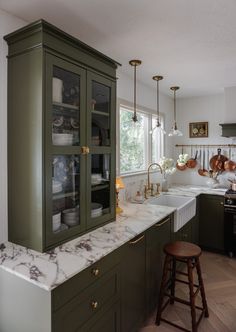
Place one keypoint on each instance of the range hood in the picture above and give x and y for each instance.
(229, 125)
(228, 129)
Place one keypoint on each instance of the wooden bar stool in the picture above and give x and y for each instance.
(188, 253)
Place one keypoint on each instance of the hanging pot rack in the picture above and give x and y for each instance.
(206, 145)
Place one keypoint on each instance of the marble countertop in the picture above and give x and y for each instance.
(50, 269)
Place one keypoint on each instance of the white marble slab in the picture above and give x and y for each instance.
(48, 270)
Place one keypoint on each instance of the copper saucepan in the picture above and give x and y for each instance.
(192, 162)
(217, 161)
(229, 165)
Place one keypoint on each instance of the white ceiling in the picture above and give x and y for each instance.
(192, 43)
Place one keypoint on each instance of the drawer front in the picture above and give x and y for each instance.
(69, 289)
(88, 303)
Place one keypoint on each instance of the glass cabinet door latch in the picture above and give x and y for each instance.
(84, 150)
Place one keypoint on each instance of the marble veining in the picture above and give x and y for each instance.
(50, 269)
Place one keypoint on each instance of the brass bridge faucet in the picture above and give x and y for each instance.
(149, 187)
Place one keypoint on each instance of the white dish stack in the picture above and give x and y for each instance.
(71, 216)
(57, 90)
(56, 186)
(96, 179)
(96, 210)
(62, 139)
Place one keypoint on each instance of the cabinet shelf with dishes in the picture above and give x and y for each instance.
(69, 146)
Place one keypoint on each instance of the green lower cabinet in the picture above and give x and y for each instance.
(211, 224)
(156, 237)
(133, 290)
(107, 321)
(184, 233)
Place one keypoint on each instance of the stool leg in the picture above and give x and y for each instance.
(191, 295)
(162, 289)
(202, 290)
(173, 274)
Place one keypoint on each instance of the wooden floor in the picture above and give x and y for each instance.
(219, 274)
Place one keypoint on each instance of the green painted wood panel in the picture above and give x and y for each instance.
(211, 228)
(157, 237)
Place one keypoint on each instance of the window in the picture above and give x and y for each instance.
(137, 147)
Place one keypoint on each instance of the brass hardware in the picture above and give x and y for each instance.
(84, 150)
(94, 304)
(95, 272)
(206, 145)
(135, 63)
(162, 223)
(174, 130)
(152, 190)
(174, 88)
(149, 184)
(221, 203)
(158, 186)
(136, 241)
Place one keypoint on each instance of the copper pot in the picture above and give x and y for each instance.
(217, 161)
(181, 167)
(229, 165)
(192, 162)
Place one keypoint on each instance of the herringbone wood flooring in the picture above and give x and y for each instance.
(219, 275)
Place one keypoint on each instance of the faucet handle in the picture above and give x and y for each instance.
(158, 186)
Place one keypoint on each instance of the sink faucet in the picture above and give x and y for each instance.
(149, 186)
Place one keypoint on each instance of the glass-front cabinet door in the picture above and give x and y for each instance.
(65, 136)
(101, 123)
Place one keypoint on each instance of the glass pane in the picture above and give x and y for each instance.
(157, 142)
(100, 97)
(100, 184)
(100, 130)
(100, 105)
(133, 141)
(65, 190)
(65, 108)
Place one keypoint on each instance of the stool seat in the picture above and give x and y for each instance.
(186, 253)
(181, 249)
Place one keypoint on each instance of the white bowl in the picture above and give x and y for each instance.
(56, 221)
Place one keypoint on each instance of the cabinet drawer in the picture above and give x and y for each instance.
(88, 303)
(69, 289)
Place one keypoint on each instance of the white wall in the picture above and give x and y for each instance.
(8, 23)
(199, 109)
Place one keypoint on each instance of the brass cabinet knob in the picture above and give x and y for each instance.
(94, 304)
(95, 272)
(85, 150)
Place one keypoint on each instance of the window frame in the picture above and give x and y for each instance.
(150, 114)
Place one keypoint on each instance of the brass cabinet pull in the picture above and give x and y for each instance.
(94, 304)
(162, 223)
(84, 150)
(221, 203)
(136, 241)
(95, 272)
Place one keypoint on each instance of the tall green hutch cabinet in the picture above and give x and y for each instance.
(61, 136)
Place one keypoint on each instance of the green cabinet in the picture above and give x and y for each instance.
(133, 288)
(211, 228)
(61, 137)
(156, 237)
(184, 233)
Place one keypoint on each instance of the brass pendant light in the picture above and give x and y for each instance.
(135, 63)
(174, 130)
(158, 78)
